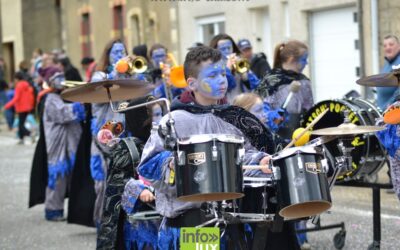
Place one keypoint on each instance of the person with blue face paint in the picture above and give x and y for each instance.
(202, 109)
(160, 60)
(61, 131)
(290, 59)
(101, 113)
(252, 103)
(126, 193)
(237, 82)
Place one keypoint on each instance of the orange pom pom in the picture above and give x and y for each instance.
(122, 66)
(392, 114)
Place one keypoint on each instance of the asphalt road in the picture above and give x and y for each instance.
(23, 228)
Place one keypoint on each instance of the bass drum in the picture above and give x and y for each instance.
(368, 154)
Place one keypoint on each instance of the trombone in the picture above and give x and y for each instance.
(176, 77)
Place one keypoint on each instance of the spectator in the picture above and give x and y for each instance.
(89, 65)
(258, 62)
(2, 69)
(10, 113)
(36, 62)
(391, 50)
(3, 92)
(70, 72)
(23, 102)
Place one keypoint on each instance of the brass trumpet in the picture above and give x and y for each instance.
(137, 66)
(242, 65)
(72, 84)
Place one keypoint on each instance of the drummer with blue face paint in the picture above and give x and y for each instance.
(291, 58)
(198, 111)
(237, 82)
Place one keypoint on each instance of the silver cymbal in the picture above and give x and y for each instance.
(347, 129)
(120, 90)
(381, 80)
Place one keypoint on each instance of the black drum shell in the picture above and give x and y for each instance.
(222, 180)
(302, 191)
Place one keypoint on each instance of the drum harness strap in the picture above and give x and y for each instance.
(133, 151)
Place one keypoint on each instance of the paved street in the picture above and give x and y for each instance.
(23, 228)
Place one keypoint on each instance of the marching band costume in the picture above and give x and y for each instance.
(62, 130)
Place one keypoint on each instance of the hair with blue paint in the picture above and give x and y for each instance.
(286, 50)
(104, 61)
(214, 42)
(196, 56)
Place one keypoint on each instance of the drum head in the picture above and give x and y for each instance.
(305, 209)
(210, 197)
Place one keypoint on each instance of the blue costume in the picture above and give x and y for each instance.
(61, 122)
(139, 234)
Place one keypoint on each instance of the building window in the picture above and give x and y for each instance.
(118, 21)
(135, 30)
(208, 27)
(85, 35)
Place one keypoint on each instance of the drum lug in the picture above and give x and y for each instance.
(181, 158)
(276, 171)
(240, 156)
(214, 153)
(265, 201)
(325, 166)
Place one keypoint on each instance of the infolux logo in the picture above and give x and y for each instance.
(206, 238)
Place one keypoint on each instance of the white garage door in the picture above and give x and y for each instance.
(335, 58)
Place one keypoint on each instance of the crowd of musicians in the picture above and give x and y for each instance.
(115, 165)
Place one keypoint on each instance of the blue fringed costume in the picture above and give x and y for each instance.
(62, 132)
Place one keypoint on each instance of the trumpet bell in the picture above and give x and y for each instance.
(242, 66)
(139, 65)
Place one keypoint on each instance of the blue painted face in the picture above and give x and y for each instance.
(225, 47)
(303, 61)
(117, 52)
(159, 56)
(211, 81)
(258, 110)
(157, 114)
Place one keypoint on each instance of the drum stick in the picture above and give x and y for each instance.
(306, 129)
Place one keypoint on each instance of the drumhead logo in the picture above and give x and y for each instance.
(206, 238)
(313, 167)
(196, 158)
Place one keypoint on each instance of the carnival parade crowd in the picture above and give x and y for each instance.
(117, 165)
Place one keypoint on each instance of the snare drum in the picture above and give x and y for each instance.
(209, 168)
(303, 188)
